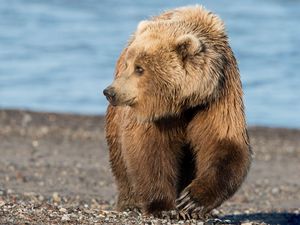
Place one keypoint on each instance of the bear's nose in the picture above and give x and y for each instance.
(109, 93)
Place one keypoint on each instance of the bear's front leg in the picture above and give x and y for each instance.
(126, 197)
(221, 167)
(151, 159)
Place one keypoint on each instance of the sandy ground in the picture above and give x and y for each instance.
(54, 170)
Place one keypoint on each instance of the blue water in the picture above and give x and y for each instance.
(58, 55)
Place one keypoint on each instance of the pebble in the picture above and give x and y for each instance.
(275, 190)
(88, 211)
(63, 210)
(236, 213)
(101, 216)
(41, 198)
(65, 217)
(2, 203)
(26, 119)
(35, 143)
(56, 197)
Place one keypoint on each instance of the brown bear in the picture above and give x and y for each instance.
(175, 125)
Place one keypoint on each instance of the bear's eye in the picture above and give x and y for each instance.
(138, 70)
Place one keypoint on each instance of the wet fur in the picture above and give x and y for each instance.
(195, 150)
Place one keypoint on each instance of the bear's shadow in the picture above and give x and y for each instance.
(272, 218)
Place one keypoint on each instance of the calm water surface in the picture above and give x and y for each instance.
(58, 55)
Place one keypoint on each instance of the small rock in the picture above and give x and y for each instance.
(26, 119)
(88, 211)
(275, 190)
(73, 215)
(41, 198)
(236, 213)
(35, 143)
(63, 210)
(44, 130)
(101, 216)
(65, 217)
(215, 212)
(102, 183)
(213, 221)
(56, 197)
(2, 203)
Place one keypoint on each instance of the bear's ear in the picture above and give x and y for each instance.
(142, 26)
(188, 45)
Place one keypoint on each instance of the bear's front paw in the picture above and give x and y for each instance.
(196, 201)
(155, 207)
(188, 206)
(124, 204)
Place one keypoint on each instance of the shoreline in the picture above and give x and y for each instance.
(54, 160)
(59, 114)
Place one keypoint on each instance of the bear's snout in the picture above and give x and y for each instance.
(110, 94)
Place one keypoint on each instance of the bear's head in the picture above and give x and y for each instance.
(172, 65)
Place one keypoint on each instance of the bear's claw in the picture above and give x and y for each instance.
(187, 206)
(181, 202)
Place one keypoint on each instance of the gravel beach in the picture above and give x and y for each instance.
(54, 170)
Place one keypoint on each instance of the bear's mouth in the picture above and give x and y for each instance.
(115, 102)
(130, 102)
(110, 99)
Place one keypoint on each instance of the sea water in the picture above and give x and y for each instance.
(58, 55)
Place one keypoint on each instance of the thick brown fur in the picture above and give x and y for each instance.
(176, 128)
